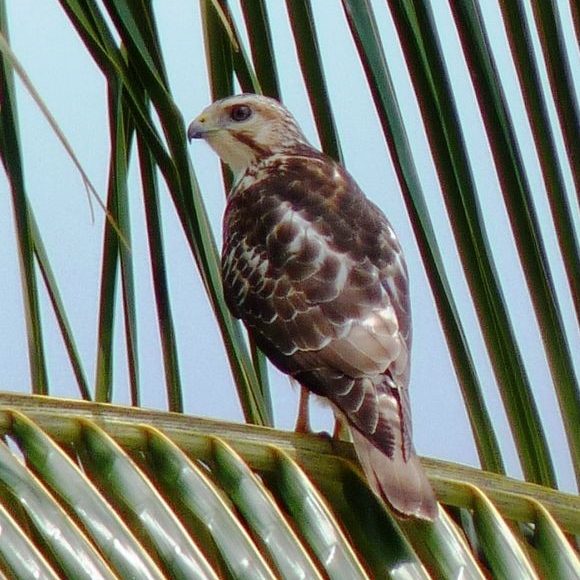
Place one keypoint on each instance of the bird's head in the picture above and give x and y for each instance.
(245, 128)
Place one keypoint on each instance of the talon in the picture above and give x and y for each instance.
(324, 435)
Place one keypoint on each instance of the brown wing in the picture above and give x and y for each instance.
(316, 271)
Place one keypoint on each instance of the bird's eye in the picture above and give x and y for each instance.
(240, 113)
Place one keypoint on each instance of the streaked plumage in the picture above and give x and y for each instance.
(316, 271)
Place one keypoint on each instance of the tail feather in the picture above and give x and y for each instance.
(402, 483)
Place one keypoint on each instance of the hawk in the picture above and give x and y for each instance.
(315, 271)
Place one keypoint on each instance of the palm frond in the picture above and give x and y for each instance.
(194, 498)
(12, 160)
(522, 214)
(364, 29)
(435, 95)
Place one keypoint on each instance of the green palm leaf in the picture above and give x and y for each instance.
(194, 498)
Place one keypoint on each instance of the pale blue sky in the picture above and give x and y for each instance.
(74, 90)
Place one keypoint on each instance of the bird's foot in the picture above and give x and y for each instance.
(309, 431)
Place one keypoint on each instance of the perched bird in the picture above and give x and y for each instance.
(315, 270)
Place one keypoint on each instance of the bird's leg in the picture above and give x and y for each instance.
(303, 420)
(341, 430)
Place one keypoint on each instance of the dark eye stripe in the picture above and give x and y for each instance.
(251, 143)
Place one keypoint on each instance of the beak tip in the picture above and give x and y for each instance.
(191, 135)
(194, 131)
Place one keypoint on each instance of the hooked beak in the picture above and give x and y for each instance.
(196, 130)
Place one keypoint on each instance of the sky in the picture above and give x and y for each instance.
(74, 90)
